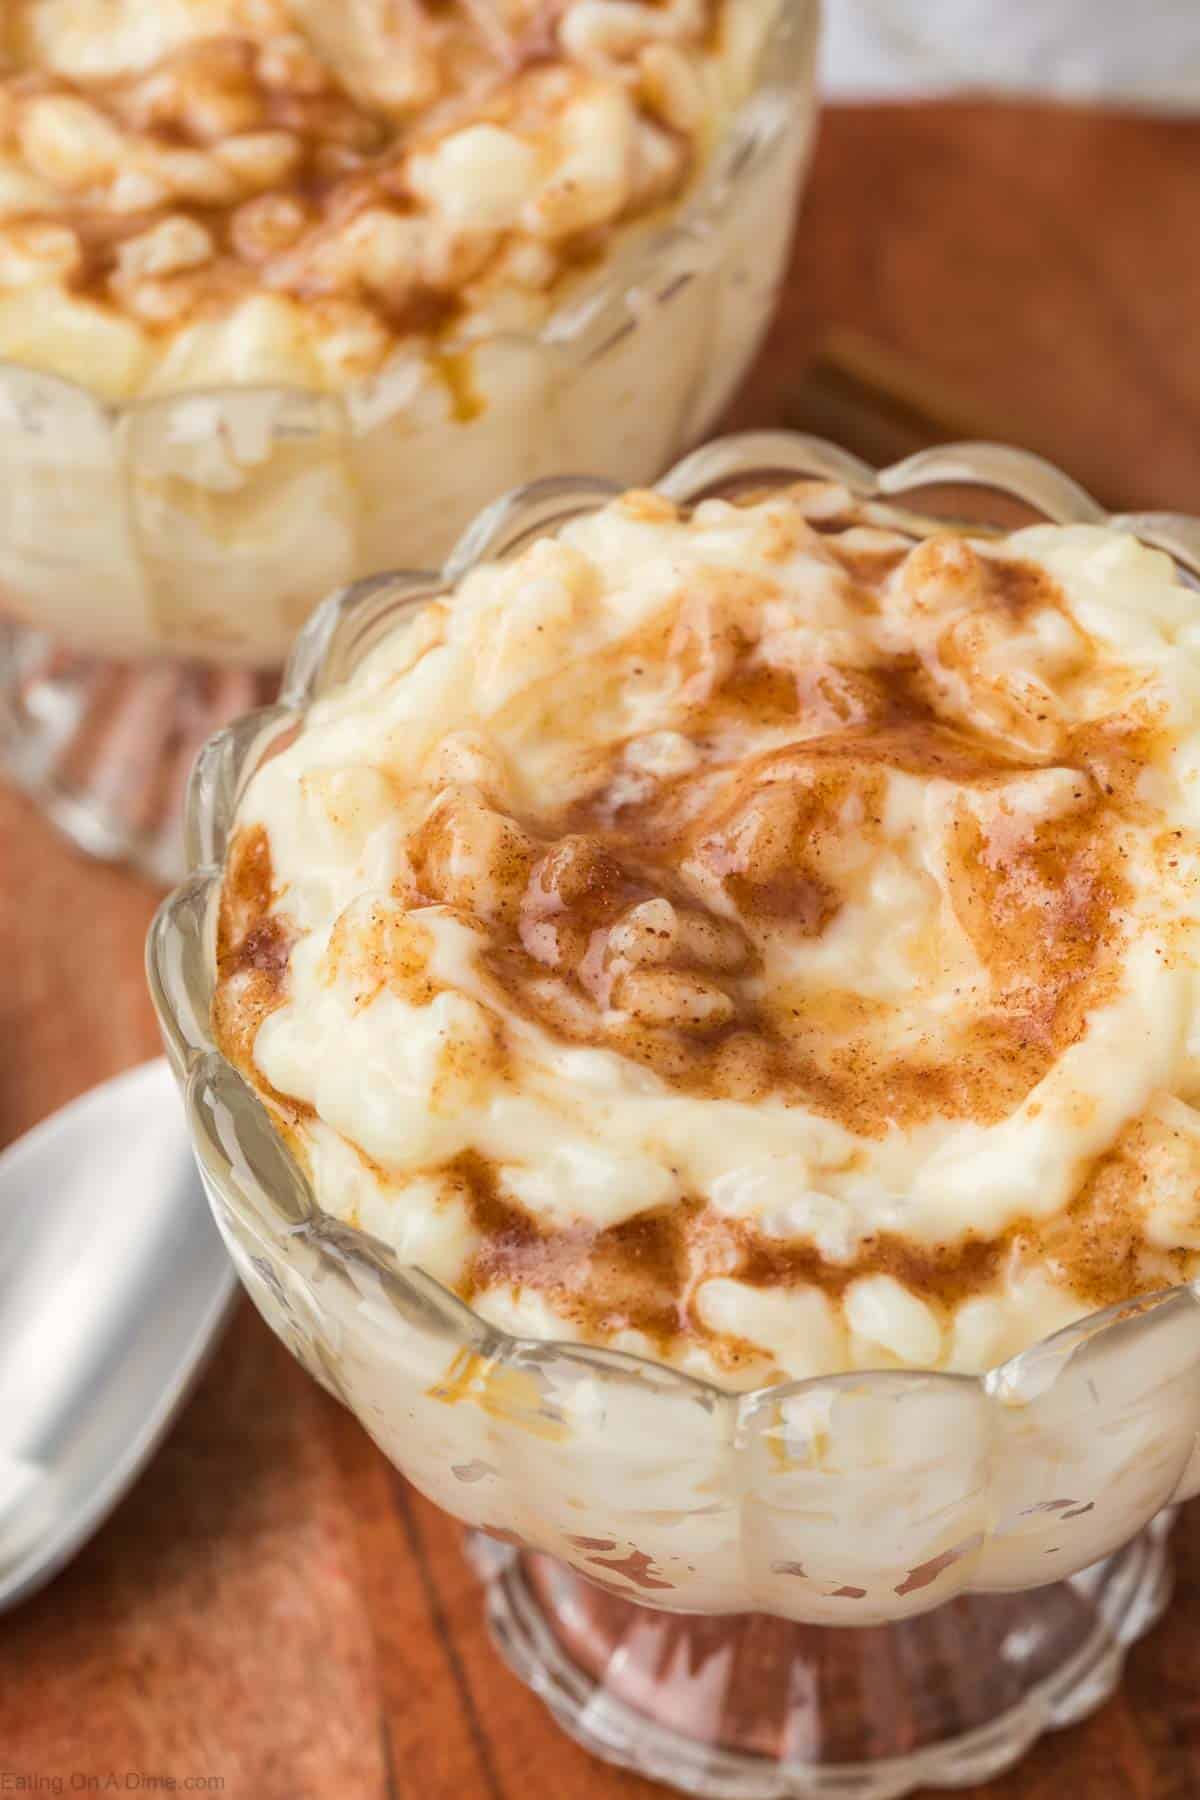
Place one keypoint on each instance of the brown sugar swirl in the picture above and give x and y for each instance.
(749, 936)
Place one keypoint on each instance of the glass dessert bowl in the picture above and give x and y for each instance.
(666, 1555)
(285, 297)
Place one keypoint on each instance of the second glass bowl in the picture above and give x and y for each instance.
(199, 530)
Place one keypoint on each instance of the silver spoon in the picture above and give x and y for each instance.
(113, 1287)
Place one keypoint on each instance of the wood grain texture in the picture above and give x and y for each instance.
(272, 1606)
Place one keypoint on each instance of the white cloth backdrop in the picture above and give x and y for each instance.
(1142, 53)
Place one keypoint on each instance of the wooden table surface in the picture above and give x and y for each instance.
(272, 1607)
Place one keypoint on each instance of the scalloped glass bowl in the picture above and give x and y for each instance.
(861, 1499)
(204, 526)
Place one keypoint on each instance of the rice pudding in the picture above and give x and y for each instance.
(749, 936)
(287, 290)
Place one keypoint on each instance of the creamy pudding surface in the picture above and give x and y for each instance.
(748, 936)
(288, 192)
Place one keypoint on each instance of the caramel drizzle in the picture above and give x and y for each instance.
(643, 1274)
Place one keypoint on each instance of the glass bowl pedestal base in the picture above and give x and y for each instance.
(105, 748)
(749, 1707)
